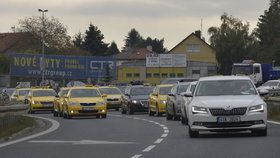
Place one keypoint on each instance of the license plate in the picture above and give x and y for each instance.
(228, 119)
(87, 109)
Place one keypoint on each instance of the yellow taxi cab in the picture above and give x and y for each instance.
(114, 96)
(84, 101)
(57, 105)
(157, 99)
(20, 94)
(41, 99)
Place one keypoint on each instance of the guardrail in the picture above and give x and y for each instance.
(11, 114)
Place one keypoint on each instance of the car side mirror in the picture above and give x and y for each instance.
(187, 94)
(263, 92)
(170, 94)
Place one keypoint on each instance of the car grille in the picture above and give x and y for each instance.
(144, 103)
(223, 112)
(87, 111)
(229, 124)
(110, 99)
(46, 102)
(88, 104)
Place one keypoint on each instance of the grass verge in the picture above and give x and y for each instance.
(22, 123)
(274, 117)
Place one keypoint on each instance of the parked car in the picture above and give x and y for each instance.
(173, 104)
(157, 99)
(227, 103)
(269, 85)
(136, 99)
(185, 101)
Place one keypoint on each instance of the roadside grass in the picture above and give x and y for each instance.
(274, 117)
(22, 123)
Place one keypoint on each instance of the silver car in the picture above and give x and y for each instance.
(226, 103)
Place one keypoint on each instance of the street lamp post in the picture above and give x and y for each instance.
(43, 45)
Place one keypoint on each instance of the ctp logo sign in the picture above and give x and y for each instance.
(96, 65)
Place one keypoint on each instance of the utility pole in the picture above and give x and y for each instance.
(43, 45)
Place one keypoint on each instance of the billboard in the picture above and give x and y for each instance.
(166, 60)
(59, 66)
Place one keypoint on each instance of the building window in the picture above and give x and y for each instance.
(148, 75)
(196, 72)
(128, 75)
(136, 75)
(180, 75)
(164, 75)
(193, 48)
(156, 75)
(172, 75)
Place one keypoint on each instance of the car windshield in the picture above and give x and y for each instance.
(141, 91)
(23, 92)
(164, 90)
(183, 88)
(225, 87)
(192, 88)
(271, 83)
(242, 69)
(84, 93)
(110, 91)
(63, 92)
(44, 93)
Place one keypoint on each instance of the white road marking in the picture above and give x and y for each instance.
(166, 131)
(274, 122)
(82, 142)
(165, 128)
(149, 148)
(55, 125)
(164, 135)
(162, 125)
(158, 141)
(136, 156)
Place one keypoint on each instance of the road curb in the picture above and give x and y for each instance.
(55, 125)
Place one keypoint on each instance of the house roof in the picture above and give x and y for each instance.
(136, 54)
(8, 40)
(192, 34)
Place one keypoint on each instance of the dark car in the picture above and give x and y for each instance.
(136, 99)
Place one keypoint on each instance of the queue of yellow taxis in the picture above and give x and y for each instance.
(41, 99)
(157, 99)
(84, 101)
(20, 94)
(57, 105)
(114, 96)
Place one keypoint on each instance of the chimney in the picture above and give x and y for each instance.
(198, 33)
(150, 48)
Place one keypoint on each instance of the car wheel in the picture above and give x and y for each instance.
(183, 120)
(60, 114)
(123, 111)
(157, 112)
(64, 115)
(193, 134)
(260, 132)
(55, 114)
(176, 117)
(151, 113)
(104, 115)
(130, 110)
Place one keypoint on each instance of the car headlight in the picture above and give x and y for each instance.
(100, 103)
(134, 101)
(256, 108)
(163, 101)
(73, 103)
(199, 110)
(35, 102)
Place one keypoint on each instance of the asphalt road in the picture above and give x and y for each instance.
(124, 136)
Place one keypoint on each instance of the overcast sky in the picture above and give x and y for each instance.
(172, 20)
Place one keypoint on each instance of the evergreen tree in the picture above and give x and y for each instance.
(231, 41)
(78, 40)
(93, 41)
(268, 32)
(156, 44)
(133, 39)
(113, 49)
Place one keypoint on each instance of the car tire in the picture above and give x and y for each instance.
(104, 115)
(176, 117)
(60, 114)
(55, 114)
(69, 116)
(183, 120)
(64, 115)
(260, 132)
(151, 113)
(193, 134)
(123, 111)
(159, 114)
(130, 110)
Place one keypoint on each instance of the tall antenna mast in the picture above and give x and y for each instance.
(201, 24)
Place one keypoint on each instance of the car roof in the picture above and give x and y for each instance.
(213, 78)
(165, 85)
(84, 87)
(23, 89)
(108, 87)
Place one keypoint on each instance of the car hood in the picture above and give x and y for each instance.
(222, 101)
(114, 96)
(162, 97)
(44, 99)
(86, 100)
(264, 88)
(140, 97)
